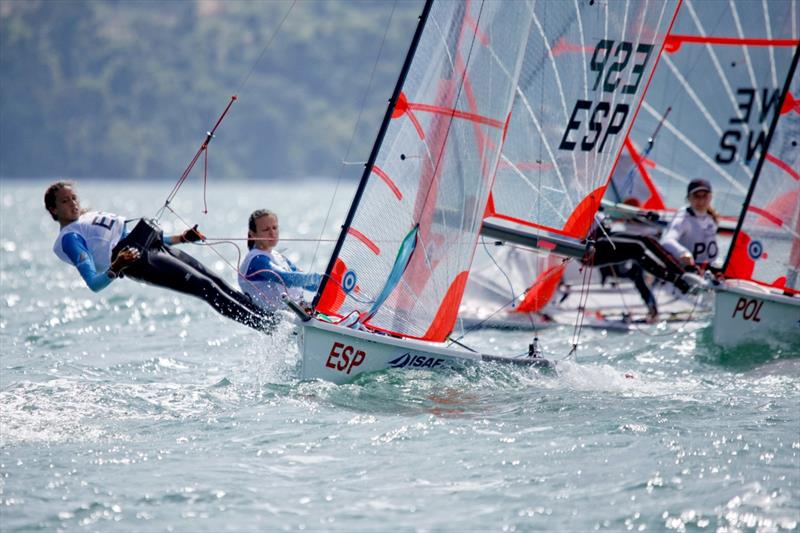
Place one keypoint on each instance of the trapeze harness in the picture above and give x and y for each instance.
(92, 242)
(265, 276)
(693, 234)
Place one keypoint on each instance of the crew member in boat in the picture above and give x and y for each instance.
(100, 246)
(266, 274)
(625, 254)
(691, 236)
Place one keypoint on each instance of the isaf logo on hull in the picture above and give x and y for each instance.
(416, 361)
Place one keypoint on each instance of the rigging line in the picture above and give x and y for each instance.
(266, 47)
(482, 322)
(355, 129)
(627, 185)
(510, 285)
(188, 170)
(210, 134)
(267, 239)
(236, 268)
(583, 298)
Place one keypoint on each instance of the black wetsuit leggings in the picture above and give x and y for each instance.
(167, 267)
(646, 253)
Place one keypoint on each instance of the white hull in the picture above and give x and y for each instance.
(338, 354)
(746, 312)
(615, 305)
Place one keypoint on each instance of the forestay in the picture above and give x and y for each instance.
(715, 93)
(766, 247)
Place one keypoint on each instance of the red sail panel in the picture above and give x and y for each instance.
(577, 99)
(767, 248)
(711, 101)
(433, 171)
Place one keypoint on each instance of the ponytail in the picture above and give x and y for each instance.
(714, 215)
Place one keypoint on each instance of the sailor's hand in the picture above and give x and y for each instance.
(125, 257)
(192, 235)
(686, 260)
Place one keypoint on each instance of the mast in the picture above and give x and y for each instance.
(762, 157)
(423, 18)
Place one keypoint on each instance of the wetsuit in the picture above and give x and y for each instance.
(265, 276)
(93, 241)
(690, 233)
(87, 244)
(626, 255)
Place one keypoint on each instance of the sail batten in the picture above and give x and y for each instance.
(725, 64)
(765, 247)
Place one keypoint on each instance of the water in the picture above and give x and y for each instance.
(141, 410)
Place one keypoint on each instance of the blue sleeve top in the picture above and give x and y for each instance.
(78, 252)
(262, 269)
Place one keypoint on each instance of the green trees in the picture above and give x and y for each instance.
(110, 88)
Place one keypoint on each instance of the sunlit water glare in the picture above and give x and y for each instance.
(140, 409)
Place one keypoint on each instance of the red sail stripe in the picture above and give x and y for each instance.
(417, 126)
(674, 41)
(654, 201)
(563, 46)
(363, 238)
(388, 181)
(479, 34)
(783, 166)
(530, 224)
(790, 104)
(769, 216)
(458, 114)
(644, 93)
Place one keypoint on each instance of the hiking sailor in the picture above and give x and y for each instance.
(626, 254)
(265, 273)
(100, 247)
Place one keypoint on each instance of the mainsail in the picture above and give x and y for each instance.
(553, 86)
(706, 114)
(766, 245)
(585, 71)
(712, 100)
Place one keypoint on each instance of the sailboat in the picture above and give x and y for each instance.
(706, 114)
(760, 298)
(481, 78)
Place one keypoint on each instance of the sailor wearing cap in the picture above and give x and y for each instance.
(692, 235)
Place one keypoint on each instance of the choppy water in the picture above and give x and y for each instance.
(137, 409)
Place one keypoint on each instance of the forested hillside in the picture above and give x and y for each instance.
(128, 88)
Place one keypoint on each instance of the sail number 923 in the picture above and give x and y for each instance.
(609, 60)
